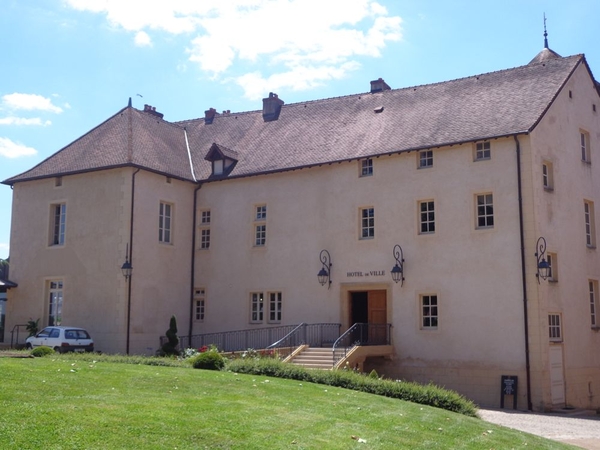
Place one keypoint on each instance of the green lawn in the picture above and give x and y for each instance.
(59, 402)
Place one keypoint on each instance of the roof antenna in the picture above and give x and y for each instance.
(545, 33)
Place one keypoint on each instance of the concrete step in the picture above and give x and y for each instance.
(315, 358)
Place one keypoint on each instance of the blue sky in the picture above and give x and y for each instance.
(69, 65)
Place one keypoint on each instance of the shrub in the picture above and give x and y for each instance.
(42, 350)
(424, 394)
(211, 360)
(170, 347)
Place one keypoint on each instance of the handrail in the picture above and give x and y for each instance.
(367, 334)
(287, 336)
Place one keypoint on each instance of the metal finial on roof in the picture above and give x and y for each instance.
(129, 104)
(545, 33)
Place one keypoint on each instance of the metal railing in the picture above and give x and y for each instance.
(323, 334)
(14, 341)
(361, 334)
(314, 335)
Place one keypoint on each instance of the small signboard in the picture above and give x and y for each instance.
(508, 386)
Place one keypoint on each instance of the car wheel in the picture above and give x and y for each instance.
(28, 346)
(57, 350)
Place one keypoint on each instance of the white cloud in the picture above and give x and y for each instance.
(142, 39)
(29, 102)
(294, 44)
(11, 120)
(11, 149)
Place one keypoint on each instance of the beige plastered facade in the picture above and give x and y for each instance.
(476, 274)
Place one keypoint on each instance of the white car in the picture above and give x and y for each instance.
(62, 339)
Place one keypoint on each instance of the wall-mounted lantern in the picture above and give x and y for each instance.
(398, 269)
(325, 272)
(543, 268)
(126, 268)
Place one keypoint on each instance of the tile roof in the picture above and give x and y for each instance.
(336, 129)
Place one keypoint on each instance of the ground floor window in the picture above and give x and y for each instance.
(199, 304)
(256, 307)
(275, 302)
(429, 312)
(55, 302)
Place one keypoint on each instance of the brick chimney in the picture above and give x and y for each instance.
(379, 85)
(271, 107)
(209, 116)
(152, 110)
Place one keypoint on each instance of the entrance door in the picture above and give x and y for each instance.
(370, 307)
(557, 380)
(377, 317)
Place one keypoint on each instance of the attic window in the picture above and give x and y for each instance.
(58, 181)
(594, 107)
(169, 180)
(378, 109)
(218, 167)
(570, 94)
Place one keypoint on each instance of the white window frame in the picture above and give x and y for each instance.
(427, 217)
(429, 311)
(555, 327)
(204, 238)
(548, 176)
(366, 167)
(257, 307)
(367, 223)
(425, 159)
(593, 297)
(58, 224)
(482, 151)
(552, 260)
(55, 302)
(275, 307)
(590, 225)
(484, 211)
(260, 225)
(584, 143)
(205, 217)
(165, 222)
(199, 304)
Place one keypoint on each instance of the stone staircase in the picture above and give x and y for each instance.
(314, 358)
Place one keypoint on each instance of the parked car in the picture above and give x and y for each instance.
(62, 339)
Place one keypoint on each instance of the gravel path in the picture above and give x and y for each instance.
(580, 428)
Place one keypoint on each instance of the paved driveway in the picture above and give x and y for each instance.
(580, 428)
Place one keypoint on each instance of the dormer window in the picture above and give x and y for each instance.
(223, 160)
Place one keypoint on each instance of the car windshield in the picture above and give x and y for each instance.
(76, 334)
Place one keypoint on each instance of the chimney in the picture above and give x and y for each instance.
(379, 85)
(152, 110)
(209, 116)
(271, 107)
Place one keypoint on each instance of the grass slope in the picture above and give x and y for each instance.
(62, 403)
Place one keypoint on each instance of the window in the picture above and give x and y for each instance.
(218, 167)
(260, 227)
(547, 176)
(199, 304)
(165, 222)
(590, 231)
(425, 158)
(485, 211)
(58, 182)
(59, 222)
(482, 151)
(554, 327)
(366, 167)
(427, 217)
(256, 307)
(584, 138)
(552, 267)
(275, 307)
(205, 230)
(205, 238)
(367, 223)
(55, 302)
(593, 288)
(429, 312)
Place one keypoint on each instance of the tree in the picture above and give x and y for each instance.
(170, 347)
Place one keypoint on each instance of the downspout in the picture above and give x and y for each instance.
(130, 259)
(524, 280)
(193, 267)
